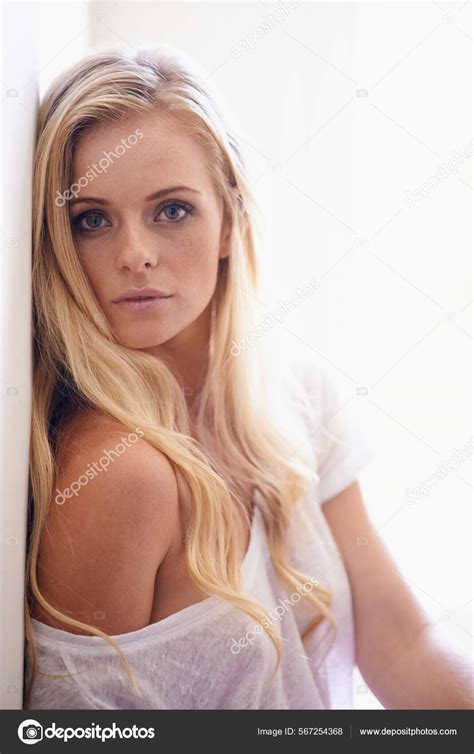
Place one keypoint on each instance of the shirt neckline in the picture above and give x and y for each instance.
(185, 616)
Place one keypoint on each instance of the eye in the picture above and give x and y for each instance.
(172, 211)
(175, 212)
(87, 216)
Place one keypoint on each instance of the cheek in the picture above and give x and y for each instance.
(198, 257)
(95, 272)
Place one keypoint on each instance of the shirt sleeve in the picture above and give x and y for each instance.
(337, 430)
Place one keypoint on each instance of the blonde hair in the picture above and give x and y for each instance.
(79, 363)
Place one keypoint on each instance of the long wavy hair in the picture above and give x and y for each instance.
(79, 363)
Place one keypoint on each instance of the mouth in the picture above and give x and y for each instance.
(139, 303)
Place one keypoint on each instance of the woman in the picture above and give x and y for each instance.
(179, 555)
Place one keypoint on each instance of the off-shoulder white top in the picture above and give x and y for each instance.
(208, 655)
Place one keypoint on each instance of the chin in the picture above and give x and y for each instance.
(147, 337)
(140, 339)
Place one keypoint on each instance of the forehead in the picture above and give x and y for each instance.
(139, 155)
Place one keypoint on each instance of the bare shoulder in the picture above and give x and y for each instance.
(111, 521)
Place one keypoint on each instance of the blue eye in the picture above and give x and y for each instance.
(175, 212)
(87, 216)
(174, 206)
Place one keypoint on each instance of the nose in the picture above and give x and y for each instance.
(135, 249)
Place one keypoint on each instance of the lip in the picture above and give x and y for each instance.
(134, 294)
(138, 299)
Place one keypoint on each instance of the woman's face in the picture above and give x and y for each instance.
(128, 238)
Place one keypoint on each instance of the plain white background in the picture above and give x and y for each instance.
(355, 120)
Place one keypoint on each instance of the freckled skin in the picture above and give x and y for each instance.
(140, 243)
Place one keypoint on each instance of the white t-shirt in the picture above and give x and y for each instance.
(207, 655)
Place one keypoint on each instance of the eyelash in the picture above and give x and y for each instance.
(182, 205)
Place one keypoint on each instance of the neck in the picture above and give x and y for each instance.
(187, 355)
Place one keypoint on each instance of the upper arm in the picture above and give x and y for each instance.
(387, 616)
(101, 548)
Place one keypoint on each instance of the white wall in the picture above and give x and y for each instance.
(19, 102)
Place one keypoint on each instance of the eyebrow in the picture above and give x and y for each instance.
(156, 195)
